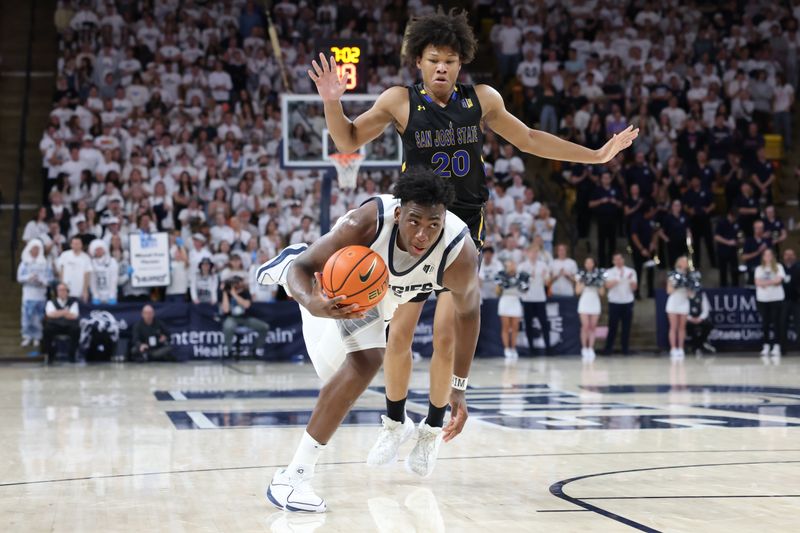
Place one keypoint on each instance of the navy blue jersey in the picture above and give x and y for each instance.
(448, 140)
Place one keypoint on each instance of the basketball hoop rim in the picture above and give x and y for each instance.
(346, 158)
(347, 166)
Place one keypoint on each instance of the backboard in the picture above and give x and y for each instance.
(307, 144)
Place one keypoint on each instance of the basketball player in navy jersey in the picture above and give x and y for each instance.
(441, 123)
(425, 248)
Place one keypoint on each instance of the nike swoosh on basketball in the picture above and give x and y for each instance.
(366, 276)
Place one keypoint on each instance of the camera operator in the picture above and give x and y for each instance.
(150, 338)
(235, 306)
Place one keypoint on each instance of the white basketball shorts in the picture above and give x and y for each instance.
(329, 341)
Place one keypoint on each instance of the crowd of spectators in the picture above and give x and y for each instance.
(704, 83)
(166, 117)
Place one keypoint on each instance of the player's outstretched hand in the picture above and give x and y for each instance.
(330, 86)
(458, 415)
(325, 307)
(617, 143)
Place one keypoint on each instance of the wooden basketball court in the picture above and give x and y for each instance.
(551, 445)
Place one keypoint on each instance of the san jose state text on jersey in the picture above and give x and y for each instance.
(446, 137)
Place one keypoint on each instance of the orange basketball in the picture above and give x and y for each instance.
(358, 273)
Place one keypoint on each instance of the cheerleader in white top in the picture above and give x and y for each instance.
(590, 287)
(679, 290)
(510, 286)
(769, 277)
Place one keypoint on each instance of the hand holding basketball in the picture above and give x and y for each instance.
(355, 275)
(330, 86)
(324, 306)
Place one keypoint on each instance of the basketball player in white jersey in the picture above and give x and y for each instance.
(441, 123)
(425, 248)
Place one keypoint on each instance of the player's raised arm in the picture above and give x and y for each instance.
(304, 277)
(349, 135)
(461, 277)
(541, 143)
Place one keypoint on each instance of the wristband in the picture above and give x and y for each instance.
(459, 383)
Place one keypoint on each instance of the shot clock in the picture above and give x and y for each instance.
(351, 58)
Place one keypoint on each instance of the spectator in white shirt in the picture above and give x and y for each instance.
(782, 103)
(769, 277)
(34, 274)
(562, 273)
(590, 89)
(306, 232)
(220, 231)
(179, 270)
(621, 283)
(545, 228)
(198, 252)
(535, 300)
(510, 251)
(528, 71)
(508, 163)
(74, 166)
(508, 39)
(490, 267)
(74, 267)
(518, 216)
(677, 116)
(220, 83)
(37, 227)
(517, 189)
(503, 203)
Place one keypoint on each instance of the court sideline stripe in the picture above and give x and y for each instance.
(339, 463)
(557, 489)
(689, 497)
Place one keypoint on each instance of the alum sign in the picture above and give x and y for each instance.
(149, 259)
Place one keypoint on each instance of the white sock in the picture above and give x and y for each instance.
(307, 454)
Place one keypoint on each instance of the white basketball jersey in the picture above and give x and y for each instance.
(426, 273)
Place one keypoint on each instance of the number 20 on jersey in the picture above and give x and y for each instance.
(449, 165)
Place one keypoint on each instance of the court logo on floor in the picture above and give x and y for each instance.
(530, 406)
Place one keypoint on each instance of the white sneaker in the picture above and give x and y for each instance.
(776, 350)
(392, 435)
(506, 353)
(274, 271)
(584, 353)
(765, 350)
(292, 491)
(25, 341)
(36, 342)
(514, 353)
(422, 458)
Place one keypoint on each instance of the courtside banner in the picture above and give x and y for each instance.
(196, 330)
(149, 259)
(565, 326)
(734, 316)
